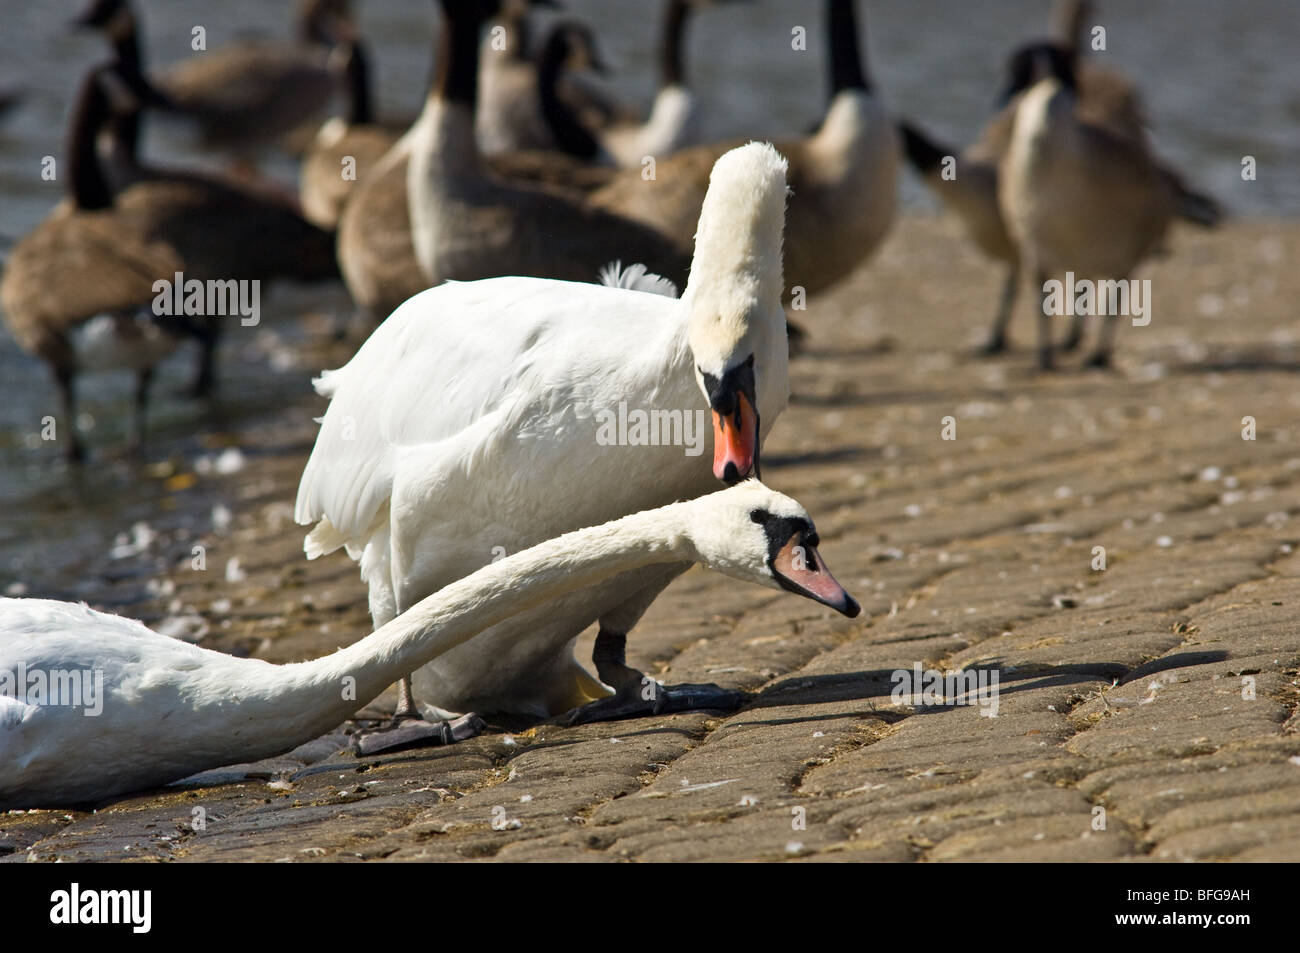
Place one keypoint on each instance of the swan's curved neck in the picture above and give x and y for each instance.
(671, 69)
(847, 71)
(454, 614)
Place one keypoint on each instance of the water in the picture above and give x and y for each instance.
(1220, 79)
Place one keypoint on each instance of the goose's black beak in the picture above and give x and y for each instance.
(734, 403)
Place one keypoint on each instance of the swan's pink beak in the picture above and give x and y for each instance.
(735, 442)
(800, 569)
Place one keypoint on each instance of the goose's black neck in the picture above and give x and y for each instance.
(571, 136)
(90, 188)
(847, 71)
(457, 77)
(671, 70)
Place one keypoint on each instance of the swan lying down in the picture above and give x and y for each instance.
(167, 709)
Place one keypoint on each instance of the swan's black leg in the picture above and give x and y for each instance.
(637, 695)
(412, 731)
(408, 729)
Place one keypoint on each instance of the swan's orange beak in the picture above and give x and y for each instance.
(735, 441)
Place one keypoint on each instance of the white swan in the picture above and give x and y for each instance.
(159, 710)
(478, 419)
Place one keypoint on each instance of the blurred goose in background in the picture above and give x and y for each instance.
(467, 224)
(221, 229)
(843, 177)
(359, 140)
(510, 106)
(470, 420)
(1105, 97)
(674, 119)
(117, 238)
(245, 95)
(77, 290)
(475, 217)
(167, 709)
(1080, 195)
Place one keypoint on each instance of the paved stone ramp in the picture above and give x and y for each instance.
(1144, 711)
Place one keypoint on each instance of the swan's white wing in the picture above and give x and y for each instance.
(460, 369)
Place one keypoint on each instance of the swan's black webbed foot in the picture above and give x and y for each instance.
(638, 695)
(410, 731)
(655, 699)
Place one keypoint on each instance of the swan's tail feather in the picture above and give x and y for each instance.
(636, 277)
(328, 383)
(323, 539)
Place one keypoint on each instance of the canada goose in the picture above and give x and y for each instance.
(843, 177)
(245, 95)
(502, 223)
(509, 117)
(165, 709)
(76, 290)
(347, 148)
(222, 231)
(1079, 195)
(970, 188)
(469, 423)
(674, 118)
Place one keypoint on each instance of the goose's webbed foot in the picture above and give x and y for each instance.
(411, 731)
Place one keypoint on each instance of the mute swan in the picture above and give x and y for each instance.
(164, 709)
(1079, 195)
(76, 290)
(247, 94)
(843, 177)
(469, 424)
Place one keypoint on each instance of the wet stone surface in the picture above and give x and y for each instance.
(1143, 711)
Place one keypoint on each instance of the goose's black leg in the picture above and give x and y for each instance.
(997, 342)
(1045, 361)
(142, 383)
(637, 695)
(76, 453)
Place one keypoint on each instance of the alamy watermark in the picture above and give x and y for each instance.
(62, 687)
(1083, 297)
(930, 687)
(178, 296)
(652, 428)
